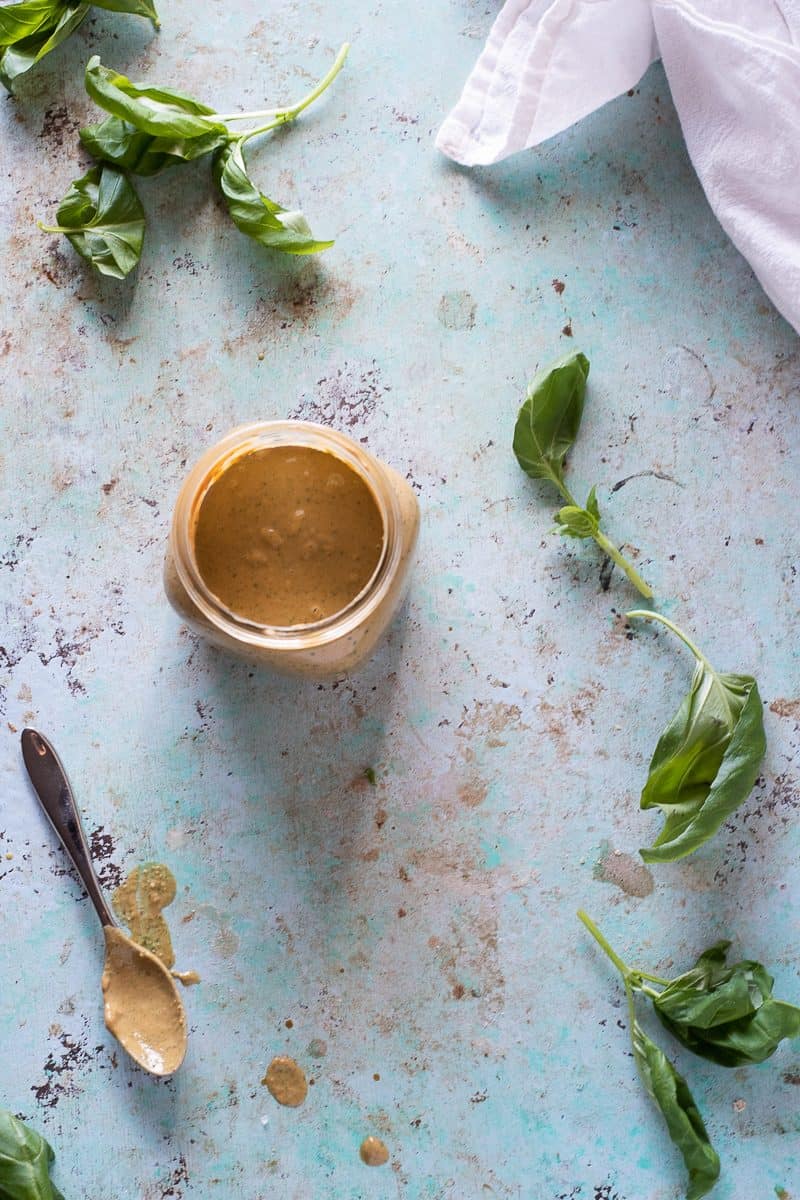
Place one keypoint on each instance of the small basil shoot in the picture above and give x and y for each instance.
(546, 428)
(707, 759)
(104, 220)
(30, 30)
(152, 128)
(25, 1161)
(665, 1085)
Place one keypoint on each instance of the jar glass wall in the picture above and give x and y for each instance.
(339, 642)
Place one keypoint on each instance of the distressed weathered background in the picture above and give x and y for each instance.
(423, 929)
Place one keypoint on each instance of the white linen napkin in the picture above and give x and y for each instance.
(734, 71)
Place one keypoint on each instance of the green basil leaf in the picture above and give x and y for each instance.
(705, 763)
(104, 220)
(121, 143)
(682, 1004)
(255, 214)
(25, 1160)
(741, 1043)
(17, 59)
(160, 111)
(549, 420)
(685, 1125)
(20, 21)
(138, 8)
(726, 1014)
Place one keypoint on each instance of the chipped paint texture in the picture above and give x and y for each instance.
(420, 929)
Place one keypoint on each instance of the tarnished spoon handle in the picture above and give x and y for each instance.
(55, 796)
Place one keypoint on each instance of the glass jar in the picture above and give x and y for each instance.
(337, 643)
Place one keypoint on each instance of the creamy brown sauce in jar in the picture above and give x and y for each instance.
(288, 535)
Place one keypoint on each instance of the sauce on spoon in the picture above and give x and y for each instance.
(142, 1007)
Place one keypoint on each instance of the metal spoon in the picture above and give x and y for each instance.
(143, 1009)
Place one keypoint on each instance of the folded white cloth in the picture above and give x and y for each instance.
(734, 71)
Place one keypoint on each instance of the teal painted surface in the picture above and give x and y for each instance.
(508, 717)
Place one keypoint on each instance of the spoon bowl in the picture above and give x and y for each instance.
(144, 1014)
(143, 1008)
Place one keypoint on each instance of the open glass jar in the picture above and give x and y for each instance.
(339, 641)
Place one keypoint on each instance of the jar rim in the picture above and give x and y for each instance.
(262, 435)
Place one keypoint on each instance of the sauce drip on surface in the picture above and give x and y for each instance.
(142, 1008)
(287, 536)
(139, 901)
(286, 1081)
(374, 1152)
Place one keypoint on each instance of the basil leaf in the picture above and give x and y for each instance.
(17, 59)
(121, 143)
(25, 1160)
(706, 760)
(255, 214)
(20, 21)
(685, 1125)
(160, 111)
(138, 8)
(104, 220)
(726, 1014)
(549, 420)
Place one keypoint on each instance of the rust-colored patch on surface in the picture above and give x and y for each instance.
(559, 720)
(473, 791)
(57, 125)
(490, 721)
(471, 953)
(786, 708)
(624, 871)
(558, 286)
(297, 303)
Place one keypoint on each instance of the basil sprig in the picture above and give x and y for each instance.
(707, 759)
(664, 1084)
(546, 428)
(151, 128)
(722, 1012)
(25, 1161)
(102, 217)
(31, 29)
